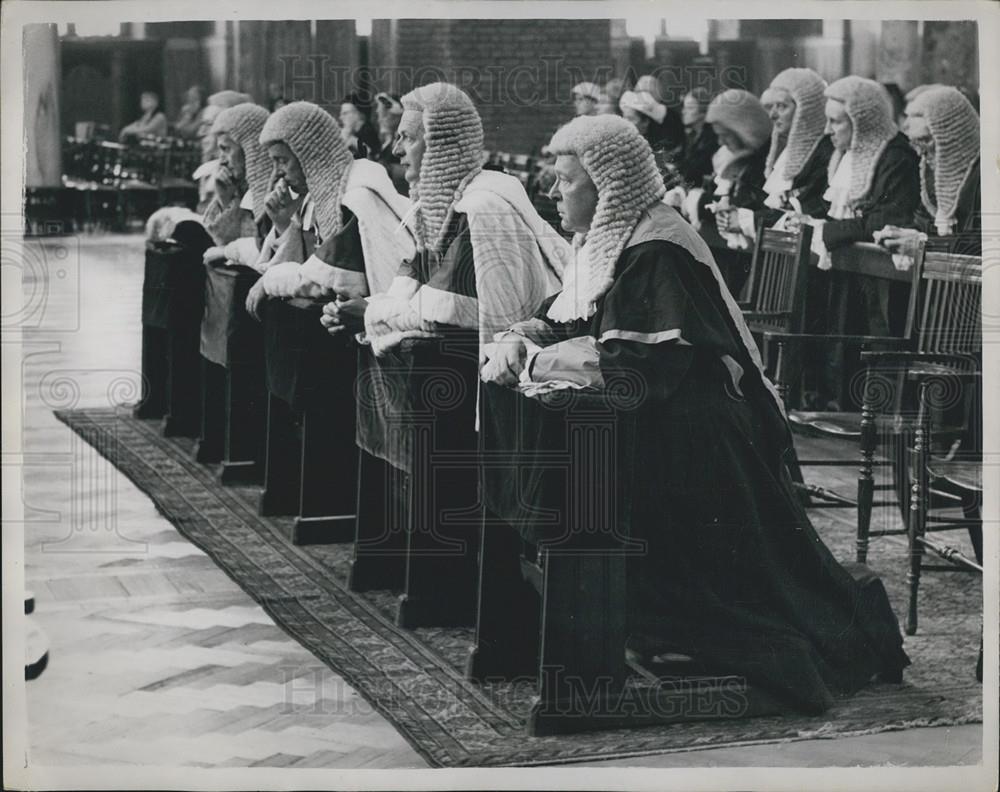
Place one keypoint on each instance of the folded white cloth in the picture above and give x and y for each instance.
(818, 247)
(242, 251)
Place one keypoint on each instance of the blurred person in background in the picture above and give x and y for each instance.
(153, 122)
(700, 141)
(586, 95)
(743, 129)
(189, 119)
(357, 131)
(275, 96)
(611, 95)
(388, 112)
(673, 127)
(648, 116)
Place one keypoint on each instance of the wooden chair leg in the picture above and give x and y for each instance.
(866, 481)
(918, 517)
(971, 511)
(781, 358)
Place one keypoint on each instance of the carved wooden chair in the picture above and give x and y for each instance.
(775, 291)
(941, 326)
(775, 303)
(953, 481)
(521, 166)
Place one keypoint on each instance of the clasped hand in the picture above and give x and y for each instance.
(507, 362)
(902, 241)
(345, 313)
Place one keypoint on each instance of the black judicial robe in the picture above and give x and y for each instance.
(746, 191)
(734, 574)
(695, 165)
(892, 199)
(808, 185)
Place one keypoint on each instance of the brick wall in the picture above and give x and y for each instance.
(518, 72)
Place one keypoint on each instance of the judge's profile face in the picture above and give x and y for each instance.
(915, 128)
(781, 110)
(410, 145)
(838, 125)
(350, 118)
(575, 194)
(287, 167)
(231, 155)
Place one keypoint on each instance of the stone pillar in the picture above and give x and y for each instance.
(863, 35)
(900, 54)
(216, 51)
(723, 29)
(41, 106)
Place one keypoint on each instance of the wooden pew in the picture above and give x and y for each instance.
(417, 497)
(172, 304)
(554, 564)
(310, 468)
(234, 393)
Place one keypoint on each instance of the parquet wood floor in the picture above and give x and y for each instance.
(156, 656)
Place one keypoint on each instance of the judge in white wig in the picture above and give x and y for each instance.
(796, 167)
(337, 221)
(485, 257)
(943, 127)
(733, 575)
(236, 217)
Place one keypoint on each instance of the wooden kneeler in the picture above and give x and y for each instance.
(418, 514)
(234, 393)
(172, 303)
(552, 603)
(310, 468)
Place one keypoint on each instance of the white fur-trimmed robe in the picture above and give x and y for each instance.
(519, 260)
